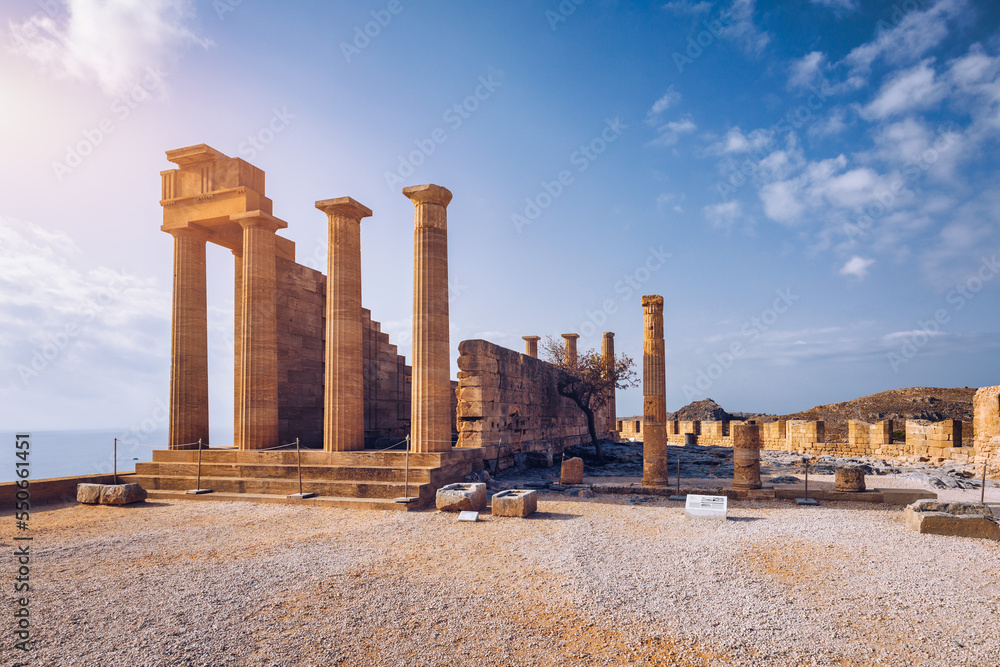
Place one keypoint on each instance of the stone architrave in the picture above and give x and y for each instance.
(654, 454)
(431, 416)
(344, 400)
(654, 373)
(569, 343)
(608, 354)
(189, 341)
(258, 410)
(531, 345)
(746, 456)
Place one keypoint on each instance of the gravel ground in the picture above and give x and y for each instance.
(609, 580)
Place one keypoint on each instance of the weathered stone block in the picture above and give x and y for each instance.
(461, 497)
(849, 478)
(88, 493)
(122, 494)
(572, 471)
(952, 518)
(515, 502)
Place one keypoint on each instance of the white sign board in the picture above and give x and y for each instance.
(706, 507)
(468, 516)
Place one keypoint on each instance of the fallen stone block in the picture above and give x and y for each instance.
(88, 493)
(572, 471)
(109, 494)
(952, 518)
(461, 497)
(849, 479)
(515, 502)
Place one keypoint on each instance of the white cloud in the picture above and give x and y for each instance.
(742, 29)
(685, 7)
(856, 266)
(782, 201)
(838, 5)
(669, 99)
(736, 142)
(110, 42)
(807, 70)
(911, 90)
(724, 215)
(671, 200)
(669, 133)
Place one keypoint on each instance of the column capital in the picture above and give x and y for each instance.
(609, 334)
(654, 301)
(572, 336)
(532, 339)
(428, 194)
(259, 220)
(189, 233)
(345, 206)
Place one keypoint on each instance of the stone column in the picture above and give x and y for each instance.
(258, 411)
(654, 453)
(237, 339)
(189, 342)
(569, 340)
(344, 397)
(746, 456)
(654, 373)
(430, 414)
(608, 354)
(531, 345)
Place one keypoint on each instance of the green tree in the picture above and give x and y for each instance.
(588, 380)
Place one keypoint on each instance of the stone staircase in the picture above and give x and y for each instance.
(362, 479)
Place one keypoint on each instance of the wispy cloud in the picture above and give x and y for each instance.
(857, 267)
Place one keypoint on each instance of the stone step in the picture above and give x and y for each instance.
(282, 487)
(316, 501)
(288, 471)
(320, 458)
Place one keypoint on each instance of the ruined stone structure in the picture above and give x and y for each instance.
(531, 345)
(746, 456)
(609, 413)
(511, 398)
(654, 394)
(570, 351)
(986, 407)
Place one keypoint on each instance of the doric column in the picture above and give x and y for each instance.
(430, 415)
(258, 411)
(237, 338)
(654, 453)
(344, 399)
(746, 456)
(531, 345)
(569, 341)
(654, 372)
(189, 342)
(608, 354)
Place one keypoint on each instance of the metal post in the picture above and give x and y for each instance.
(116, 461)
(406, 498)
(198, 485)
(298, 464)
(982, 492)
(678, 474)
(805, 462)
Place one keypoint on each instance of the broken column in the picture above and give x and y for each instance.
(608, 354)
(189, 342)
(531, 345)
(746, 456)
(344, 400)
(258, 352)
(654, 370)
(569, 343)
(430, 417)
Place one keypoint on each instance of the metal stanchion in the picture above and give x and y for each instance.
(116, 461)
(982, 492)
(807, 500)
(406, 497)
(198, 490)
(678, 495)
(298, 453)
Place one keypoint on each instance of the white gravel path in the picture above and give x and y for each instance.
(586, 581)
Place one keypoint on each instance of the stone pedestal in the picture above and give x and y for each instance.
(461, 497)
(571, 471)
(430, 422)
(654, 371)
(344, 400)
(849, 479)
(515, 502)
(654, 454)
(189, 342)
(746, 456)
(258, 353)
(531, 345)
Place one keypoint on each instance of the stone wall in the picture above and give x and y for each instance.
(935, 441)
(301, 304)
(630, 429)
(986, 408)
(509, 399)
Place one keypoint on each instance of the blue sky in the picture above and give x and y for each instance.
(811, 186)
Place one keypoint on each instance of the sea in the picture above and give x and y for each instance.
(83, 452)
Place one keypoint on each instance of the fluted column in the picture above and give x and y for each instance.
(237, 338)
(608, 354)
(344, 399)
(531, 345)
(569, 343)
(258, 411)
(654, 371)
(189, 342)
(746, 456)
(430, 416)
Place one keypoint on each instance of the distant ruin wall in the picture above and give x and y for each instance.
(301, 324)
(510, 398)
(986, 410)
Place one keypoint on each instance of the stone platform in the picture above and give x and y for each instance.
(359, 479)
